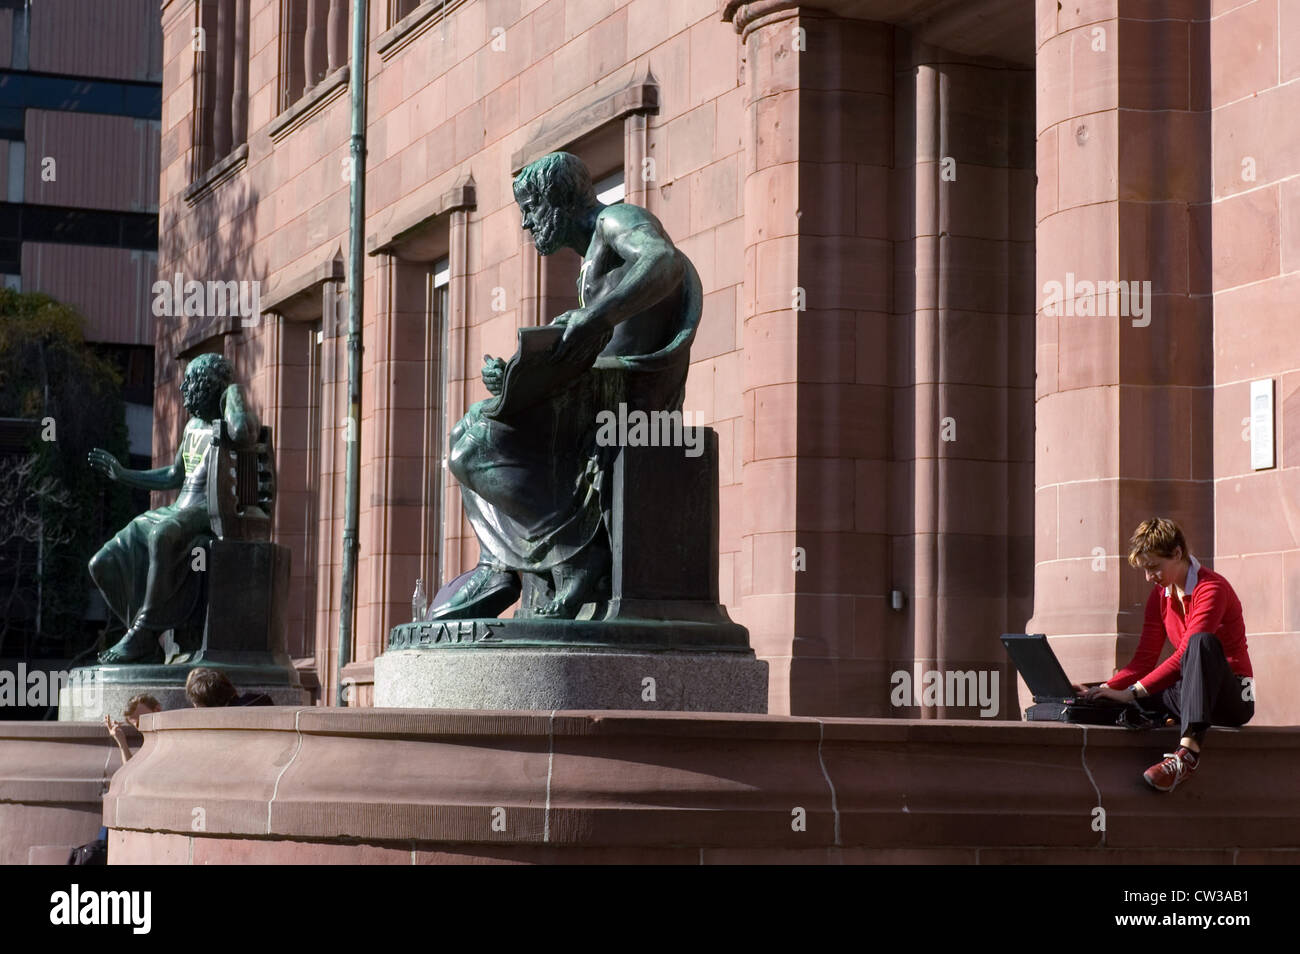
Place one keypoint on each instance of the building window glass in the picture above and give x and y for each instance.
(73, 94)
(28, 222)
(609, 190)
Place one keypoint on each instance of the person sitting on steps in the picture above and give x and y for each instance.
(1208, 680)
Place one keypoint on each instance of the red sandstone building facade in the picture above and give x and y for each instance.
(920, 447)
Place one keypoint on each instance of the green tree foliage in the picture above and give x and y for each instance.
(50, 375)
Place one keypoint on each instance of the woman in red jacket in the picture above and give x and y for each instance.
(1208, 680)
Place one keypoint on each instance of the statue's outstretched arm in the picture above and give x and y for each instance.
(160, 478)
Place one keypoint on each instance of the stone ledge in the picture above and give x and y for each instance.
(161, 848)
(354, 781)
(310, 103)
(404, 32)
(52, 778)
(221, 170)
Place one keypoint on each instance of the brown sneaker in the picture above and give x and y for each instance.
(1176, 767)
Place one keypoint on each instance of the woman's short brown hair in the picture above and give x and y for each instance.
(1159, 536)
(209, 688)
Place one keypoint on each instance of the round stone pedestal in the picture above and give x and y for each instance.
(527, 678)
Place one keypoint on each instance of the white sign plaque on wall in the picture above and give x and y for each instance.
(1261, 424)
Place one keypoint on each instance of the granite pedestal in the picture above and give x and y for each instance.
(568, 664)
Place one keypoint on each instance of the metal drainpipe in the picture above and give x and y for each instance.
(927, 501)
(356, 226)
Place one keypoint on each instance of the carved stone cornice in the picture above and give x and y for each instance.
(407, 232)
(1002, 29)
(296, 294)
(562, 126)
(749, 15)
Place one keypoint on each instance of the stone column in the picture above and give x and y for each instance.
(205, 97)
(766, 598)
(239, 91)
(1124, 407)
(337, 34)
(223, 50)
(962, 340)
(636, 129)
(315, 56)
(815, 544)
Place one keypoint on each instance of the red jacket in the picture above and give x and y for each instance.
(1212, 607)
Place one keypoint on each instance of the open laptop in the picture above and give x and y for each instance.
(1039, 667)
(1054, 697)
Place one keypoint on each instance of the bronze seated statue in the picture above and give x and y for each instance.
(535, 481)
(153, 572)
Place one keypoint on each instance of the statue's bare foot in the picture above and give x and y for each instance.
(556, 609)
(137, 646)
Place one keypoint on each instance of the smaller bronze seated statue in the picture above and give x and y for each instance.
(148, 572)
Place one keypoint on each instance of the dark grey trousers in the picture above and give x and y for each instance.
(1208, 692)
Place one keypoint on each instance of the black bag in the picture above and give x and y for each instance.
(1137, 716)
(1128, 716)
(93, 853)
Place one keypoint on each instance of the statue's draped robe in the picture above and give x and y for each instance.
(146, 567)
(535, 484)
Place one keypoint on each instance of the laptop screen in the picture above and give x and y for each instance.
(1038, 665)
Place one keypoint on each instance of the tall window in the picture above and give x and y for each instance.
(313, 44)
(221, 89)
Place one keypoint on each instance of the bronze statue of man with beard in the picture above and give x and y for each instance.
(144, 571)
(534, 479)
